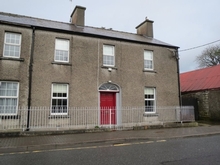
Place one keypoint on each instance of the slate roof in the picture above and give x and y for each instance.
(20, 20)
(199, 80)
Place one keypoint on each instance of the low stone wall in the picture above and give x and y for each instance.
(214, 104)
(208, 103)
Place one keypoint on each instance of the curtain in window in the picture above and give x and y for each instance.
(148, 55)
(62, 44)
(59, 98)
(149, 99)
(62, 50)
(108, 50)
(8, 97)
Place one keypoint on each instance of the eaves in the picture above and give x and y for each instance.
(87, 31)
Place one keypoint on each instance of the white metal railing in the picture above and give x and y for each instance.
(89, 117)
(13, 118)
(187, 113)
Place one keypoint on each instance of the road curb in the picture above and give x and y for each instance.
(95, 130)
(55, 146)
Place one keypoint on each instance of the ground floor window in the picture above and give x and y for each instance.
(150, 99)
(8, 97)
(59, 98)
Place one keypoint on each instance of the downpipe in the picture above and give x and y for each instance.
(30, 78)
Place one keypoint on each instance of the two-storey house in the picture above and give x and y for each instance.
(60, 65)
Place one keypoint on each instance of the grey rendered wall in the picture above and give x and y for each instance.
(80, 74)
(130, 76)
(15, 70)
(85, 72)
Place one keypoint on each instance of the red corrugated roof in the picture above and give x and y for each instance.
(201, 79)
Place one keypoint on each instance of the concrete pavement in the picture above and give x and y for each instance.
(31, 143)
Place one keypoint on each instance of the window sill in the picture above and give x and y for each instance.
(151, 114)
(150, 71)
(12, 59)
(58, 116)
(112, 67)
(61, 63)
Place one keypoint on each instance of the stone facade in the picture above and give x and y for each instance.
(214, 104)
(208, 103)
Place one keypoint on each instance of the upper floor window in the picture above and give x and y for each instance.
(8, 97)
(150, 99)
(59, 98)
(108, 55)
(148, 60)
(12, 45)
(61, 50)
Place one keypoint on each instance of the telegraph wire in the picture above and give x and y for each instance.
(198, 46)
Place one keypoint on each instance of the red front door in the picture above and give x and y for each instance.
(107, 107)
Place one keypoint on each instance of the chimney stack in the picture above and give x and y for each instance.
(78, 16)
(146, 28)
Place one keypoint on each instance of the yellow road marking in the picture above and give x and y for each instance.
(36, 151)
(147, 142)
(89, 147)
(122, 144)
(78, 148)
(161, 141)
(64, 149)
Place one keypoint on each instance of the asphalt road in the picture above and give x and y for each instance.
(182, 151)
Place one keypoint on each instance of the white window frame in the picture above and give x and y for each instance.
(61, 49)
(150, 99)
(108, 54)
(12, 45)
(148, 59)
(9, 97)
(54, 97)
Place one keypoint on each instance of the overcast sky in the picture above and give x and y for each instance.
(184, 23)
